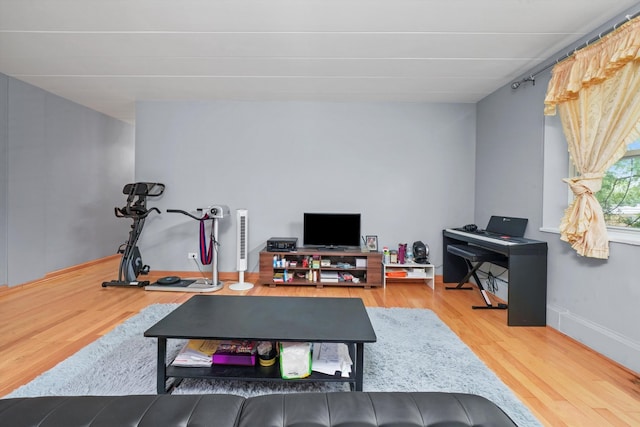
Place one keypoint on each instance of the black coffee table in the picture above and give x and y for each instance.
(307, 319)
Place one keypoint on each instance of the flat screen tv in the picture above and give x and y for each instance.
(331, 230)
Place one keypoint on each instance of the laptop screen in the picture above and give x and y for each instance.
(507, 225)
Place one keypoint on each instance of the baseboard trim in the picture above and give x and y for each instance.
(80, 266)
(56, 273)
(619, 348)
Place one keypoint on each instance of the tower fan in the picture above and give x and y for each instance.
(242, 243)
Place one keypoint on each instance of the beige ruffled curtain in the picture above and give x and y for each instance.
(597, 92)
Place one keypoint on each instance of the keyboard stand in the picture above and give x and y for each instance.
(472, 254)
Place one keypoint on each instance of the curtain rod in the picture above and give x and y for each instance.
(532, 76)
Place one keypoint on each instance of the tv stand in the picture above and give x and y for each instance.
(339, 266)
(337, 249)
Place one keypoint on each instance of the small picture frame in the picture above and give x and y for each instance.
(372, 243)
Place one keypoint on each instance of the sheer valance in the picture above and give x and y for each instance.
(593, 64)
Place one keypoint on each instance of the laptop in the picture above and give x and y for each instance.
(506, 226)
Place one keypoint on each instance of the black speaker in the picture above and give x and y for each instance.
(420, 252)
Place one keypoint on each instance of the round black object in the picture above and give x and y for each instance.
(169, 280)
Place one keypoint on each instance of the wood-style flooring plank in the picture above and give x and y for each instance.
(561, 381)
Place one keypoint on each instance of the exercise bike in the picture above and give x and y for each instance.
(131, 264)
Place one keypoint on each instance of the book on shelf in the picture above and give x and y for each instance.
(282, 277)
(396, 273)
(417, 273)
(196, 353)
(329, 276)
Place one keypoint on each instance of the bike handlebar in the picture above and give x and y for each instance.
(184, 213)
(137, 213)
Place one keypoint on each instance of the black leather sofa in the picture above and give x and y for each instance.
(343, 409)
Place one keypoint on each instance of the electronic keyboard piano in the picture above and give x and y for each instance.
(526, 260)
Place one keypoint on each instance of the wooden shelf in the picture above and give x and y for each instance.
(364, 267)
(412, 271)
(253, 373)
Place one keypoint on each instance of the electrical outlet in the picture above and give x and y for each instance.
(192, 255)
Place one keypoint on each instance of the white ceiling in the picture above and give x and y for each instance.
(107, 54)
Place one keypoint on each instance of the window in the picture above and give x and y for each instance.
(557, 195)
(620, 193)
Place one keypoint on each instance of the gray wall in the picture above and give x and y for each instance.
(63, 169)
(592, 301)
(411, 169)
(408, 168)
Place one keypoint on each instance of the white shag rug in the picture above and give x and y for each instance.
(415, 351)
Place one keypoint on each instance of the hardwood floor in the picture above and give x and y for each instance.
(561, 381)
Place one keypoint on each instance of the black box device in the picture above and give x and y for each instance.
(282, 244)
